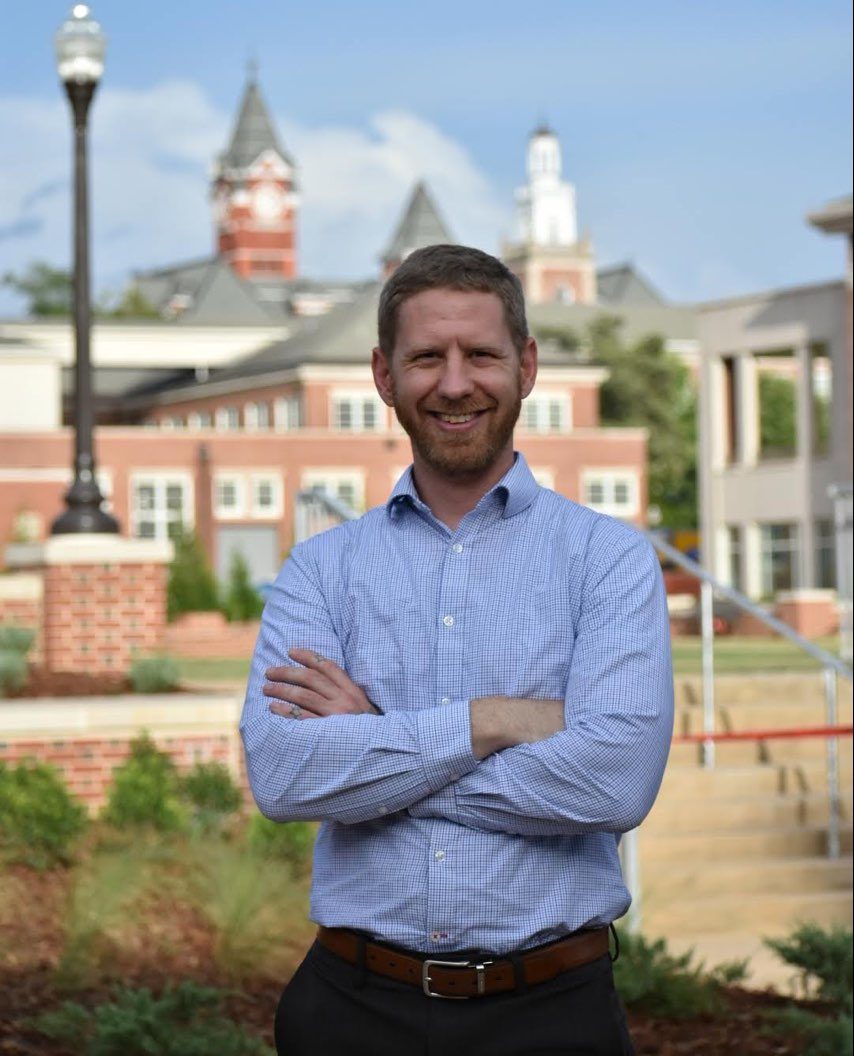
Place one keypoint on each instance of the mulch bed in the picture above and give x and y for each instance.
(30, 944)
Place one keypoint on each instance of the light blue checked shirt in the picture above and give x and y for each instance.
(532, 596)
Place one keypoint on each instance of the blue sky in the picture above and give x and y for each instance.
(697, 135)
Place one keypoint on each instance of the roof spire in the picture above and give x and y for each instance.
(254, 131)
(420, 225)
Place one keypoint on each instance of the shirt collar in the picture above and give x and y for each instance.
(517, 488)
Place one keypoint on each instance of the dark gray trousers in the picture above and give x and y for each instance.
(331, 1008)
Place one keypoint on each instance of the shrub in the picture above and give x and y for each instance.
(824, 959)
(291, 841)
(242, 600)
(652, 980)
(39, 819)
(144, 791)
(211, 793)
(184, 1021)
(154, 674)
(192, 586)
(13, 671)
(15, 639)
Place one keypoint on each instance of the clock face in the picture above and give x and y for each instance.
(267, 203)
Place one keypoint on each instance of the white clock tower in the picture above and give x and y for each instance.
(551, 262)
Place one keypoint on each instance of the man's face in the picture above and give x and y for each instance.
(455, 380)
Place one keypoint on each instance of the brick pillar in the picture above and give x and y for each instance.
(104, 599)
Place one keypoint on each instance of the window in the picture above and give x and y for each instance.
(779, 553)
(227, 418)
(822, 389)
(257, 415)
(614, 492)
(266, 492)
(348, 486)
(287, 413)
(199, 420)
(229, 498)
(357, 413)
(547, 414)
(160, 504)
(172, 423)
(734, 555)
(825, 555)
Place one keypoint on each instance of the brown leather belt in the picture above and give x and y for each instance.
(440, 977)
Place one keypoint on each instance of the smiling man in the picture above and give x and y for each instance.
(470, 687)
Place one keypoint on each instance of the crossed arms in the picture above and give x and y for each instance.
(592, 762)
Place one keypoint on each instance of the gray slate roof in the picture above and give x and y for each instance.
(208, 293)
(420, 225)
(623, 284)
(253, 132)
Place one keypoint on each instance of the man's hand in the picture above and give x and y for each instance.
(501, 722)
(314, 691)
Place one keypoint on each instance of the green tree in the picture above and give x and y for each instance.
(649, 386)
(242, 600)
(192, 585)
(777, 429)
(47, 289)
(130, 305)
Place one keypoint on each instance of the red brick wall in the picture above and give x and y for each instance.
(96, 616)
(208, 634)
(87, 764)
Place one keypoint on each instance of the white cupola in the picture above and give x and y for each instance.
(547, 203)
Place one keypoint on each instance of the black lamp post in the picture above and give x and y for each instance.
(80, 47)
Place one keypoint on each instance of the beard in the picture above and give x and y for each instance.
(465, 455)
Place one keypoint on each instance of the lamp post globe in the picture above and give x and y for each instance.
(80, 47)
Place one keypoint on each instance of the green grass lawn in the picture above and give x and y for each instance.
(732, 655)
(746, 654)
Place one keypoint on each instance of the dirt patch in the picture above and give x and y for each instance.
(43, 683)
(171, 942)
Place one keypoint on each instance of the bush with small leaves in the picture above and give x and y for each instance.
(14, 639)
(242, 601)
(650, 979)
(39, 819)
(211, 793)
(154, 674)
(291, 840)
(145, 791)
(13, 671)
(185, 1020)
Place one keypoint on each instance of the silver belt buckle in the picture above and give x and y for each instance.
(480, 968)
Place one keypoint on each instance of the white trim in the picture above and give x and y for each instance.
(544, 476)
(90, 549)
(331, 477)
(542, 403)
(357, 399)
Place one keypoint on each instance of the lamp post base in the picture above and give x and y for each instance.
(84, 519)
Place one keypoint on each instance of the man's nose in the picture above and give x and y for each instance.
(456, 381)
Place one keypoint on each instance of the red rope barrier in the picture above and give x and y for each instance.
(765, 735)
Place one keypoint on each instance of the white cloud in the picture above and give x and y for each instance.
(151, 156)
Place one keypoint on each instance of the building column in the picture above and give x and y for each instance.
(752, 560)
(747, 414)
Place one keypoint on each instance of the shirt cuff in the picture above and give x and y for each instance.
(444, 737)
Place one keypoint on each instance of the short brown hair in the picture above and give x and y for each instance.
(452, 268)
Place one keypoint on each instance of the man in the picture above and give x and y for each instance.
(478, 702)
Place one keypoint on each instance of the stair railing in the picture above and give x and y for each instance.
(315, 510)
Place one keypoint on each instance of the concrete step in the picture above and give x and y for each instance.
(761, 715)
(658, 850)
(744, 688)
(747, 753)
(675, 814)
(756, 912)
(766, 876)
(682, 780)
(810, 775)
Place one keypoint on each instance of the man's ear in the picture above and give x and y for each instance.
(382, 376)
(528, 366)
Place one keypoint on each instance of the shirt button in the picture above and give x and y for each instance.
(439, 856)
(383, 810)
(445, 700)
(448, 621)
(457, 548)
